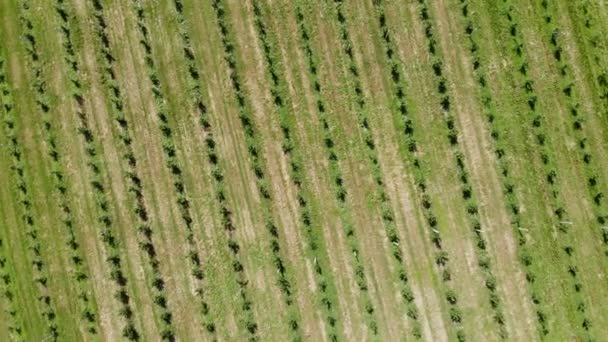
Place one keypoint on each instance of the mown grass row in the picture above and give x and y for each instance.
(592, 37)
(537, 121)
(7, 281)
(183, 201)
(44, 104)
(172, 164)
(252, 138)
(595, 180)
(387, 213)
(254, 148)
(335, 170)
(144, 228)
(104, 217)
(409, 148)
(214, 159)
(500, 150)
(195, 92)
(79, 272)
(7, 287)
(311, 226)
(468, 193)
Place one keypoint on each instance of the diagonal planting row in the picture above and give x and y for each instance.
(7, 282)
(254, 147)
(508, 184)
(210, 144)
(78, 263)
(335, 171)
(44, 105)
(291, 152)
(169, 150)
(594, 180)
(79, 272)
(144, 228)
(183, 201)
(105, 221)
(543, 144)
(216, 169)
(586, 18)
(410, 151)
(472, 207)
(388, 216)
(7, 288)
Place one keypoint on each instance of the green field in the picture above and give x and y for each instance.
(324, 170)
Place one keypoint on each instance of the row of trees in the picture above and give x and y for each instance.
(283, 272)
(41, 98)
(210, 145)
(144, 226)
(217, 175)
(171, 160)
(7, 287)
(587, 18)
(500, 150)
(410, 150)
(135, 188)
(315, 242)
(335, 171)
(95, 166)
(66, 20)
(472, 207)
(256, 159)
(538, 125)
(594, 181)
(388, 216)
(286, 118)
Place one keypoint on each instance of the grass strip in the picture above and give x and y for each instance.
(183, 200)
